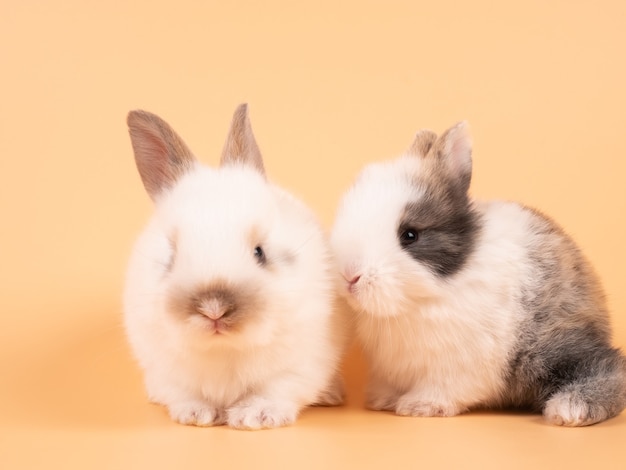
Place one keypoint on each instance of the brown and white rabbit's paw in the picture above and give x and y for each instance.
(409, 405)
(568, 409)
(261, 413)
(196, 413)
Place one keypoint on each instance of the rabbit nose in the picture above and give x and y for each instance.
(214, 308)
(352, 280)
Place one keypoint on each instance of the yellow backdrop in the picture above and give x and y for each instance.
(332, 85)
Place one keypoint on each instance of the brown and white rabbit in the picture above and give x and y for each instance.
(464, 304)
(231, 288)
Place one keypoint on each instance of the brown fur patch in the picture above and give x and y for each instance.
(424, 140)
(162, 157)
(241, 146)
(241, 302)
(450, 159)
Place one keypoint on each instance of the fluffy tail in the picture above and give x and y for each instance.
(595, 391)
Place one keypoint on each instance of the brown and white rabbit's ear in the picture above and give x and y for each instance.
(241, 146)
(424, 140)
(453, 152)
(160, 154)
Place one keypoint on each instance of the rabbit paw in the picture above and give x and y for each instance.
(259, 413)
(196, 413)
(409, 406)
(565, 409)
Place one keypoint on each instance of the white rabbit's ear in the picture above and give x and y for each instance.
(241, 146)
(160, 154)
(424, 140)
(454, 151)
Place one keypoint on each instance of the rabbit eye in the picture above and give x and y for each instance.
(169, 263)
(259, 254)
(408, 237)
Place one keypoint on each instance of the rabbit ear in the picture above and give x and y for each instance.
(424, 140)
(454, 150)
(240, 146)
(160, 154)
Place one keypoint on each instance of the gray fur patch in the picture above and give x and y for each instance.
(564, 345)
(447, 227)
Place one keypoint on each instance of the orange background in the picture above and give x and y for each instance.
(331, 85)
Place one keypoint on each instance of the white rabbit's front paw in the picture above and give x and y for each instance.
(196, 413)
(410, 406)
(259, 413)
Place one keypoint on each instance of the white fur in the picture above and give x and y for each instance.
(436, 346)
(565, 409)
(281, 360)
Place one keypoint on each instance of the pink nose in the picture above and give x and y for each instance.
(213, 308)
(352, 282)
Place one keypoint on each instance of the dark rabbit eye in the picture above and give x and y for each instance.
(408, 237)
(259, 254)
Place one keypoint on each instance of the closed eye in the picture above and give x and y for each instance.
(168, 263)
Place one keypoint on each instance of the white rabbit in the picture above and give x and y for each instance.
(231, 288)
(463, 304)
